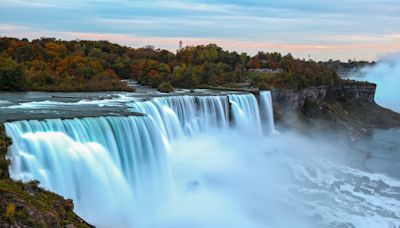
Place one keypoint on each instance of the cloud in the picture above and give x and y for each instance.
(37, 3)
(305, 25)
(316, 50)
(196, 6)
(9, 27)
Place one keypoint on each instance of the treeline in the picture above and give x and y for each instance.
(288, 72)
(346, 66)
(192, 67)
(52, 65)
(55, 65)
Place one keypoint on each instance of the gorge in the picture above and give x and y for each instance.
(196, 160)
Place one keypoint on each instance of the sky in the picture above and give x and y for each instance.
(321, 29)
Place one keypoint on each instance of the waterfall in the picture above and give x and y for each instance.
(98, 162)
(163, 116)
(193, 114)
(245, 112)
(267, 113)
(118, 166)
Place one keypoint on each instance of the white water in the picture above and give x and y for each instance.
(246, 113)
(179, 116)
(118, 101)
(386, 74)
(267, 114)
(185, 165)
(197, 114)
(4, 102)
(94, 161)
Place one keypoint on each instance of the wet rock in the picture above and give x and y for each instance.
(387, 214)
(363, 190)
(335, 186)
(348, 111)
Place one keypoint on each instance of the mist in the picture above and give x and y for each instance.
(280, 180)
(386, 74)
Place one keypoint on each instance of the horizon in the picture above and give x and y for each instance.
(172, 51)
(307, 29)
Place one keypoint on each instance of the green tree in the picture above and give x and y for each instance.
(11, 74)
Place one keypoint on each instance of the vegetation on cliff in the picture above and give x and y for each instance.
(26, 204)
(340, 66)
(165, 87)
(50, 64)
(288, 72)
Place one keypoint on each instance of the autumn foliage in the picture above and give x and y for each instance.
(289, 72)
(55, 65)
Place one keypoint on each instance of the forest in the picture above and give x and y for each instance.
(49, 64)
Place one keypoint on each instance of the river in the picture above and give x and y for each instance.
(209, 160)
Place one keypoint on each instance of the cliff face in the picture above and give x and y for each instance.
(294, 100)
(27, 205)
(348, 109)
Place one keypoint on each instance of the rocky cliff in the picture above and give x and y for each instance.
(348, 108)
(294, 100)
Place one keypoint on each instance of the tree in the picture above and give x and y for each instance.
(51, 64)
(11, 75)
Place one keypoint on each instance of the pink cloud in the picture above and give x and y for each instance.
(344, 51)
(173, 41)
(363, 50)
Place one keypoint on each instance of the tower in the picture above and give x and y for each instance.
(180, 45)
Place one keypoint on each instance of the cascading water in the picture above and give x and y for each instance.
(266, 112)
(84, 159)
(186, 164)
(93, 161)
(186, 115)
(197, 114)
(245, 112)
(164, 117)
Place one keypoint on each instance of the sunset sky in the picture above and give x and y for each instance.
(340, 29)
